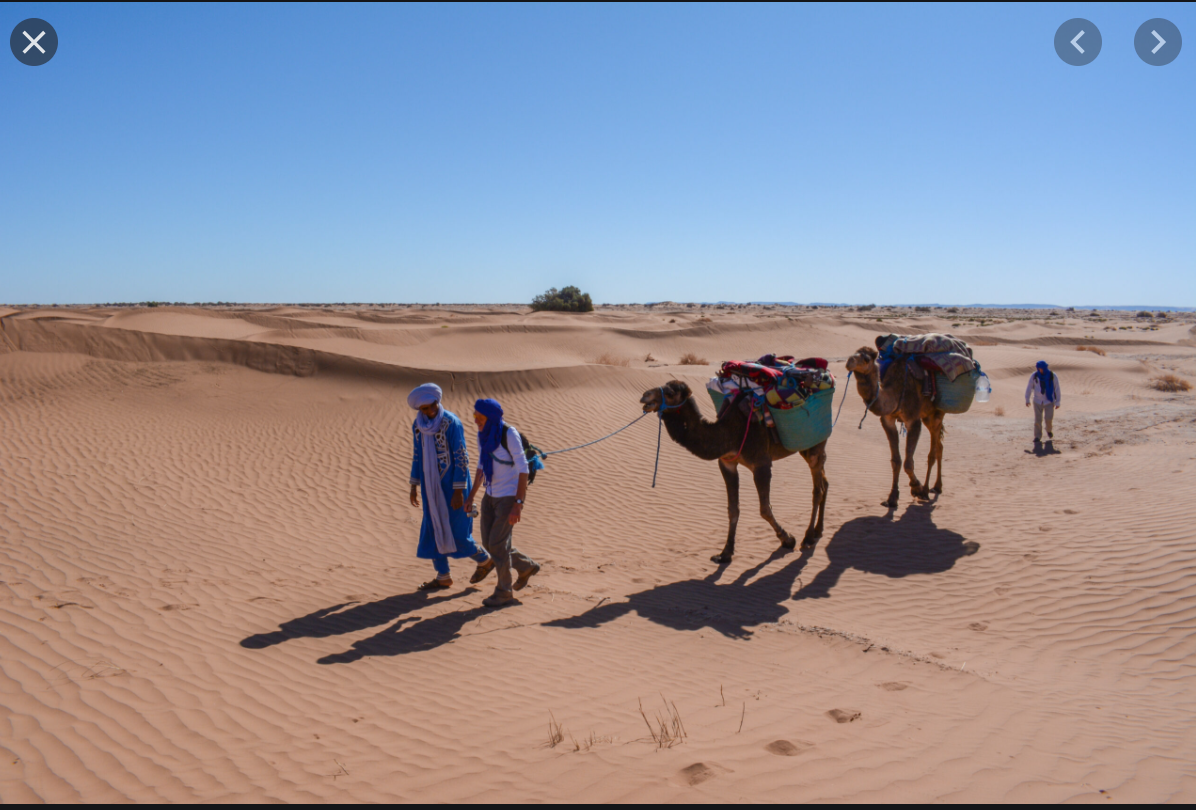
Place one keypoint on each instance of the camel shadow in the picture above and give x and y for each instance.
(334, 621)
(696, 604)
(1045, 449)
(879, 545)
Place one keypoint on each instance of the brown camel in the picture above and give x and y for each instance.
(899, 398)
(722, 440)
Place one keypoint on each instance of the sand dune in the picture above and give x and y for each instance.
(207, 580)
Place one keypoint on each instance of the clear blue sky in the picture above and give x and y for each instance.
(861, 154)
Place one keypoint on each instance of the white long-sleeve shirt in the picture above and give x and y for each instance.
(1033, 388)
(505, 481)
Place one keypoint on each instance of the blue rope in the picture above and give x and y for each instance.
(659, 429)
(843, 401)
(545, 455)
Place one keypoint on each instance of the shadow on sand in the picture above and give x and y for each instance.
(329, 622)
(695, 604)
(1045, 449)
(911, 544)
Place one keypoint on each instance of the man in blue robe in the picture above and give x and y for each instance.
(440, 470)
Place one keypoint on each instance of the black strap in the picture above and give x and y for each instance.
(505, 429)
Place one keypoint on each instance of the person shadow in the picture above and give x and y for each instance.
(1046, 448)
(335, 620)
(694, 604)
(877, 544)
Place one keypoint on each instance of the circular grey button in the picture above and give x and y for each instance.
(34, 42)
(1078, 41)
(1158, 42)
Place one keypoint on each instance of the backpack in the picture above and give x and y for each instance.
(534, 464)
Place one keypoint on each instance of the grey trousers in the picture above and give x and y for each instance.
(496, 538)
(1047, 410)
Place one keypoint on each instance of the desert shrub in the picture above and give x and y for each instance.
(867, 307)
(1143, 314)
(998, 411)
(569, 299)
(953, 310)
(691, 359)
(1170, 383)
(610, 359)
(1093, 349)
(921, 309)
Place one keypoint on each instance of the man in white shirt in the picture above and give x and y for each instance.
(1048, 397)
(504, 470)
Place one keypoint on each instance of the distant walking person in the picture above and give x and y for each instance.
(503, 466)
(1047, 397)
(441, 469)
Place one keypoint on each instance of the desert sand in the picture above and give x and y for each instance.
(208, 572)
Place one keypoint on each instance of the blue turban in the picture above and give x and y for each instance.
(490, 436)
(426, 394)
(1046, 380)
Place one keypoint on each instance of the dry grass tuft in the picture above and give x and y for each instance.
(691, 359)
(556, 732)
(588, 743)
(1093, 349)
(669, 730)
(998, 411)
(648, 358)
(1170, 383)
(609, 359)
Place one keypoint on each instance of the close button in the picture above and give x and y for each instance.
(34, 42)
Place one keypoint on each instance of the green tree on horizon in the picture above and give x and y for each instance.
(569, 299)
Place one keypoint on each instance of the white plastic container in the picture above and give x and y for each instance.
(983, 388)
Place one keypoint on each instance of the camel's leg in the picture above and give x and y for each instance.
(916, 487)
(890, 427)
(934, 444)
(763, 478)
(731, 479)
(817, 462)
(935, 425)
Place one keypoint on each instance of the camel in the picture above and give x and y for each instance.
(735, 443)
(895, 399)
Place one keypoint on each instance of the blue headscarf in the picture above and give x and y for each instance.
(1046, 380)
(490, 436)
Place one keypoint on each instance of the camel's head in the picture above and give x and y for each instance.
(863, 361)
(675, 392)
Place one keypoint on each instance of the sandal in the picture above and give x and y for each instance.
(482, 571)
(436, 584)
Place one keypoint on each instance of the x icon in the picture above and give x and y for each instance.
(33, 42)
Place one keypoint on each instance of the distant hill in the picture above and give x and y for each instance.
(1124, 308)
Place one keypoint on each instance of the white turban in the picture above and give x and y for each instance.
(426, 394)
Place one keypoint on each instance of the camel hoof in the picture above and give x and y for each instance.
(789, 541)
(891, 503)
(809, 543)
(937, 489)
(721, 559)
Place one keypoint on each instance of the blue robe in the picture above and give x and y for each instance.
(453, 458)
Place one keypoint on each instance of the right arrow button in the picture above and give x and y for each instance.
(1158, 42)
